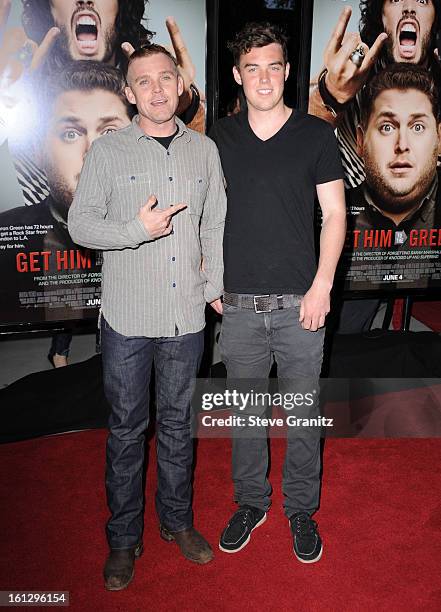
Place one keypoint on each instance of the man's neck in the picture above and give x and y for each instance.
(267, 123)
(168, 128)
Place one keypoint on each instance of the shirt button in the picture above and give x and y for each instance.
(173, 258)
(170, 178)
(174, 284)
(168, 152)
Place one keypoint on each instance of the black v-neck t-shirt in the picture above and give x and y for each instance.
(271, 190)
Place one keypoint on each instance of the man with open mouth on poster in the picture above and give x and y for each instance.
(87, 29)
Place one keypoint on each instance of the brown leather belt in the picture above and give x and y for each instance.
(261, 303)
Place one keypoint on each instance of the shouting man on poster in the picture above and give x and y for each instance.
(276, 160)
(105, 31)
(152, 198)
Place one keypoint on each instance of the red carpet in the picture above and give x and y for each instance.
(380, 521)
(428, 313)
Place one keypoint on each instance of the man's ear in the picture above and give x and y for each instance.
(360, 140)
(236, 75)
(180, 85)
(129, 94)
(439, 139)
(287, 69)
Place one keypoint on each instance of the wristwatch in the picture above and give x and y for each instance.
(329, 102)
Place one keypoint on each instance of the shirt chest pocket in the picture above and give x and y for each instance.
(133, 191)
(196, 194)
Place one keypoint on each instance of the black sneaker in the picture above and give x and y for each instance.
(307, 543)
(237, 533)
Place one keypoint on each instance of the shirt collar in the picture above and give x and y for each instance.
(140, 134)
(424, 210)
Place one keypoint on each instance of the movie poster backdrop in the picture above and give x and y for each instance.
(45, 277)
(382, 254)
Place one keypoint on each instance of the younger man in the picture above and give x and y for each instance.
(276, 160)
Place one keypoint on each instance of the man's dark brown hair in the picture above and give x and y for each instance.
(402, 77)
(255, 35)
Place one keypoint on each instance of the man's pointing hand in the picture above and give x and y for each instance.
(157, 222)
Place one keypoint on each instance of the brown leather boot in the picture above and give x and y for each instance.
(193, 546)
(120, 567)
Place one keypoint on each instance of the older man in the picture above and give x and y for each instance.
(151, 197)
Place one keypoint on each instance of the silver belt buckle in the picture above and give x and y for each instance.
(256, 304)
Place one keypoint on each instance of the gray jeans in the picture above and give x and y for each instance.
(249, 343)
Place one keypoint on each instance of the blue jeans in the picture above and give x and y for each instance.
(127, 364)
(249, 343)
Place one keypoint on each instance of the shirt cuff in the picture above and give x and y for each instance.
(137, 231)
(211, 293)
